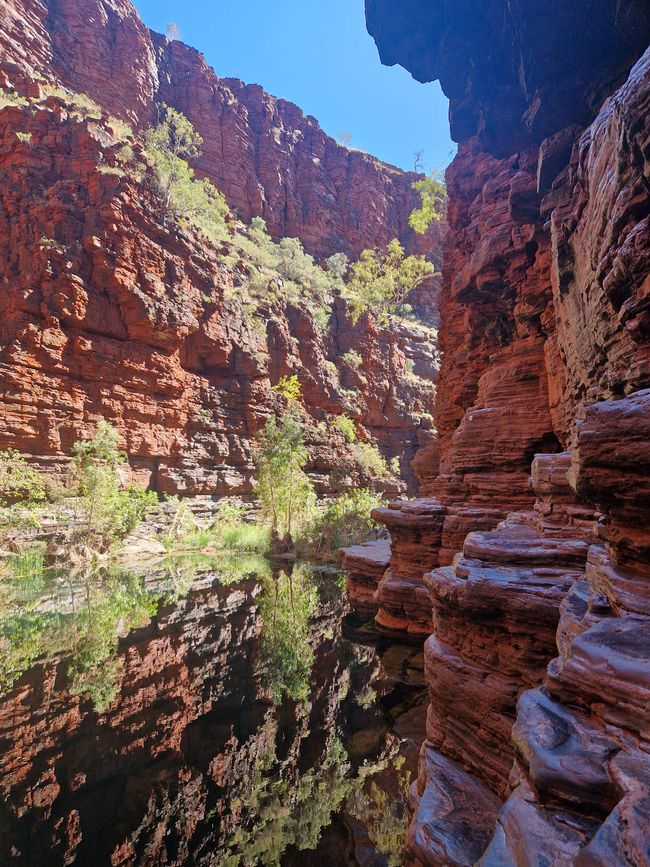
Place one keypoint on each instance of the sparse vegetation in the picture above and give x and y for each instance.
(106, 511)
(286, 605)
(347, 427)
(284, 490)
(433, 195)
(338, 524)
(353, 359)
(169, 146)
(382, 281)
(368, 456)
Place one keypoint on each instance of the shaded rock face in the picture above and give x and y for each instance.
(537, 665)
(108, 310)
(181, 765)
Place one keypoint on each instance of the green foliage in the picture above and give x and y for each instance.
(337, 265)
(11, 98)
(382, 808)
(107, 513)
(433, 195)
(94, 669)
(283, 271)
(302, 277)
(353, 359)
(20, 484)
(284, 490)
(381, 282)
(338, 524)
(289, 387)
(121, 129)
(347, 427)
(183, 523)
(288, 813)
(24, 137)
(80, 105)
(244, 537)
(322, 316)
(169, 145)
(368, 456)
(111, 170)
(88, 635)
(286, 605)
(367, 698)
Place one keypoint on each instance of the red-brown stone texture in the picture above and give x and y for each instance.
(538, 665)
(109, 310)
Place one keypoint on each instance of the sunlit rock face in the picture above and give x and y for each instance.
(538, 660)
(108, 311)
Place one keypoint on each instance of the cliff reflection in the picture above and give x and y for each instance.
(200, 712)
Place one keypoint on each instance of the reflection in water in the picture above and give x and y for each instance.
(196, 712)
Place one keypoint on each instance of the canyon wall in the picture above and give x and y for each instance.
(109, 310)
(528, 557)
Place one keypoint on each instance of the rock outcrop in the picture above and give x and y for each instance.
(109, 310)
(537, 665)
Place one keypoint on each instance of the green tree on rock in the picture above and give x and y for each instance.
(285, 492)
(382, 281)
(169, 145)
(433, 195)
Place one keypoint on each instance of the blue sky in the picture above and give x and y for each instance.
(318, 54)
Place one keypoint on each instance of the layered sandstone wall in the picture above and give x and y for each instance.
(109, 310)
(263, 153)
(537, 735)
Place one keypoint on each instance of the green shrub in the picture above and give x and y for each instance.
(368, 456)
(106, 513)
(284, 490)
(347, 427)
(20, 484)
(322, 317)
(337, 265)
(381, 282)
(290, 389)
(433, 196)
(353, 359)
(198, 202)
(343, 522)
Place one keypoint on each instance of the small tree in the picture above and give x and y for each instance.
(433, 195)
(20, 484)
(337, 265)
(106, 512)
(418, 161)
(381, 282)
(290, 389)
(169, 145)
(285, 492)
(345, 138)
(173, 32)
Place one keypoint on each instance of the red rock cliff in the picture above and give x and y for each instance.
(107, 310)
(536, 592)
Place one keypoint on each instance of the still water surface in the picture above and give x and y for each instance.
(199, 712)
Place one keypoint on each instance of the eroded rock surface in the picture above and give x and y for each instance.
(109, 310)
(537, 666)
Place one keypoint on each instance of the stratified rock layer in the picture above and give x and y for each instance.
(538, 665)
(111, 311)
